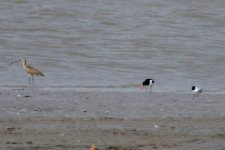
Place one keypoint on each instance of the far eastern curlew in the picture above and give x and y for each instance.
(31, 71)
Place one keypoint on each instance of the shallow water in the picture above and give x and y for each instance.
(103, 44)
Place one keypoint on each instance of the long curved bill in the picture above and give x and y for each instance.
(14, 62)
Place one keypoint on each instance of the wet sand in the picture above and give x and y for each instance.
(39, 118)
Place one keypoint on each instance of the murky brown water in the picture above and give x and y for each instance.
(107, 43)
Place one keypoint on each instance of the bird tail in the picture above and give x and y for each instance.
(41, 74)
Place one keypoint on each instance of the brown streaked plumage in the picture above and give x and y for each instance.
(31, 71)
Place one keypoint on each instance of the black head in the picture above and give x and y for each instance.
(193, 87)
(152, 81)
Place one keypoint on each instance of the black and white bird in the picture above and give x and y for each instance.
(196, 91)
(146, 83)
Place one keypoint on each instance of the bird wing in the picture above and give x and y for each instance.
(33, 71)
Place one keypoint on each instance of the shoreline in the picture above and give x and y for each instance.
(41, 102)
(67, 119)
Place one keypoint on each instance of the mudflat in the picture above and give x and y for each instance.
(56, 118)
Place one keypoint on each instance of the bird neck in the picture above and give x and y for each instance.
(24, 63)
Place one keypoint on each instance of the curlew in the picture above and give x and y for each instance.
(148, 82)
(31, 71)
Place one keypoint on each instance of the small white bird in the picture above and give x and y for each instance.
(196, 91)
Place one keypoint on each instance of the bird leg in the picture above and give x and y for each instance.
(150, 89)
(32, 80)
(29, 80)
(197, 94)
(193, 96)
